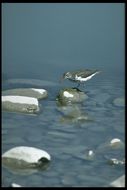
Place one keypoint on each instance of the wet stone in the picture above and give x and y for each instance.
(114, 161)
(89, 155)
(120, 102)
(22, 104)
(29, 92)
(25, 160)
(70, 95)
(112, 145)
(116, 143)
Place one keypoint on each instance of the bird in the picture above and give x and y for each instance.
(80, 76)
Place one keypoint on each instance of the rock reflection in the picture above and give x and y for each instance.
(22, 167)
(67, 102)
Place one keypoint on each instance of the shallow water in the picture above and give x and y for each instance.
(67, 141)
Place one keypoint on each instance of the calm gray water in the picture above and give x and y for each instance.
(41, 41)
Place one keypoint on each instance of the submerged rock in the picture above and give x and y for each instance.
(25, 160)
(115, 143)
(21, 104)
(119, 101)
(71, 95)
(89, 155)
(73, 114)
(80, 119)
(30, 92)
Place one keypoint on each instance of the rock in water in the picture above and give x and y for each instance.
(21, 104)
(25, 160)
(15, 185)
(119, 102)
(119, 182)
(30, 92)
(71, 95)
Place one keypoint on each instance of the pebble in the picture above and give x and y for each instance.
(116, 143)
(120, 102)
(112, 144)
(21, 104)
(89, 155)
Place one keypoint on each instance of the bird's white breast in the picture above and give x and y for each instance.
(84, 79)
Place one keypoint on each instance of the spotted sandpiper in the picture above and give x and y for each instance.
(80, 76)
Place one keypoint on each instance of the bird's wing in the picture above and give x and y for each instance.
(86, 73)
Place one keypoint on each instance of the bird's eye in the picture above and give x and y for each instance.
(68, 74)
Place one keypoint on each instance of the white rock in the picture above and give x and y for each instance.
(119, 101)
(41, 91)
(20, 99)
(28, 92)
(90, 152)
(89, 155)
(111, 144)
(119, 182)
(116, 143)
(15, 185)
(20, 104)
(28, 154)
(67, 94)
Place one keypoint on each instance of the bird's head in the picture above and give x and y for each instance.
(66, 75)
